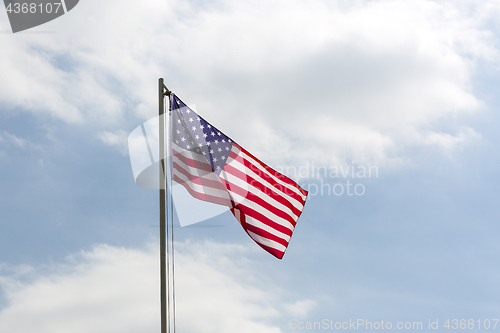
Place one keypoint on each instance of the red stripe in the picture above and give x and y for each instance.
(177, 167)
(283, 189)
(272, 171)
(265, 189)
(277, 253)
(258, 216)
(239, 216)
(203, 196)
(261, 218)
(200, 180)
(193, 163)
(266, 234)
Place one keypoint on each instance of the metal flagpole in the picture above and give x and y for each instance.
(166, 320)
(163, 215)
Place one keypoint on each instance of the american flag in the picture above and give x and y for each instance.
(214, 168)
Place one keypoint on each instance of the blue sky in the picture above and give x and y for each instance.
(407, 86)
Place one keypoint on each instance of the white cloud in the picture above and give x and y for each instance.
(300, 308)
(316, 80)
(11, 143)
(117, 139)
(110, 289)
(450, 143)
(7, 138)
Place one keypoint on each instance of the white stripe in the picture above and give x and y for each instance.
(276, 179)
(232, 179)
(257, 164)
(190, 154)
(265, 227)
(258, 208)
(191, 170)
(237, 214)
(203, 189)
(241, 167)
(267, 242)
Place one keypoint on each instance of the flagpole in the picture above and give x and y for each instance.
(164, 269)
(163, 215)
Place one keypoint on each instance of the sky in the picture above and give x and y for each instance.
(320, 90)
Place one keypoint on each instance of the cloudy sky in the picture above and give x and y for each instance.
(406, 89)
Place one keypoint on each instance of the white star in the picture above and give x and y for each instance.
(177, 141)
(208, 143)
(212, 134)
(198, 118)
(179, 121)
(209, 126)
(214, 159)
(218, 133)
(190, 120)
(218, 168)
(188, 111)
(188, 146)
(204, 153)
(229, 141)
(202, 127)
(216, 142)
(183, 139)
(223, 157)
(223, 141)
(197, 137)
(227, 148)
(205, 135)
(194, 128)
(200, 145)
(211, 151)
(178, 132)
(219, 150)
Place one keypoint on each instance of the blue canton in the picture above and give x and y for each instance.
(192, 132)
